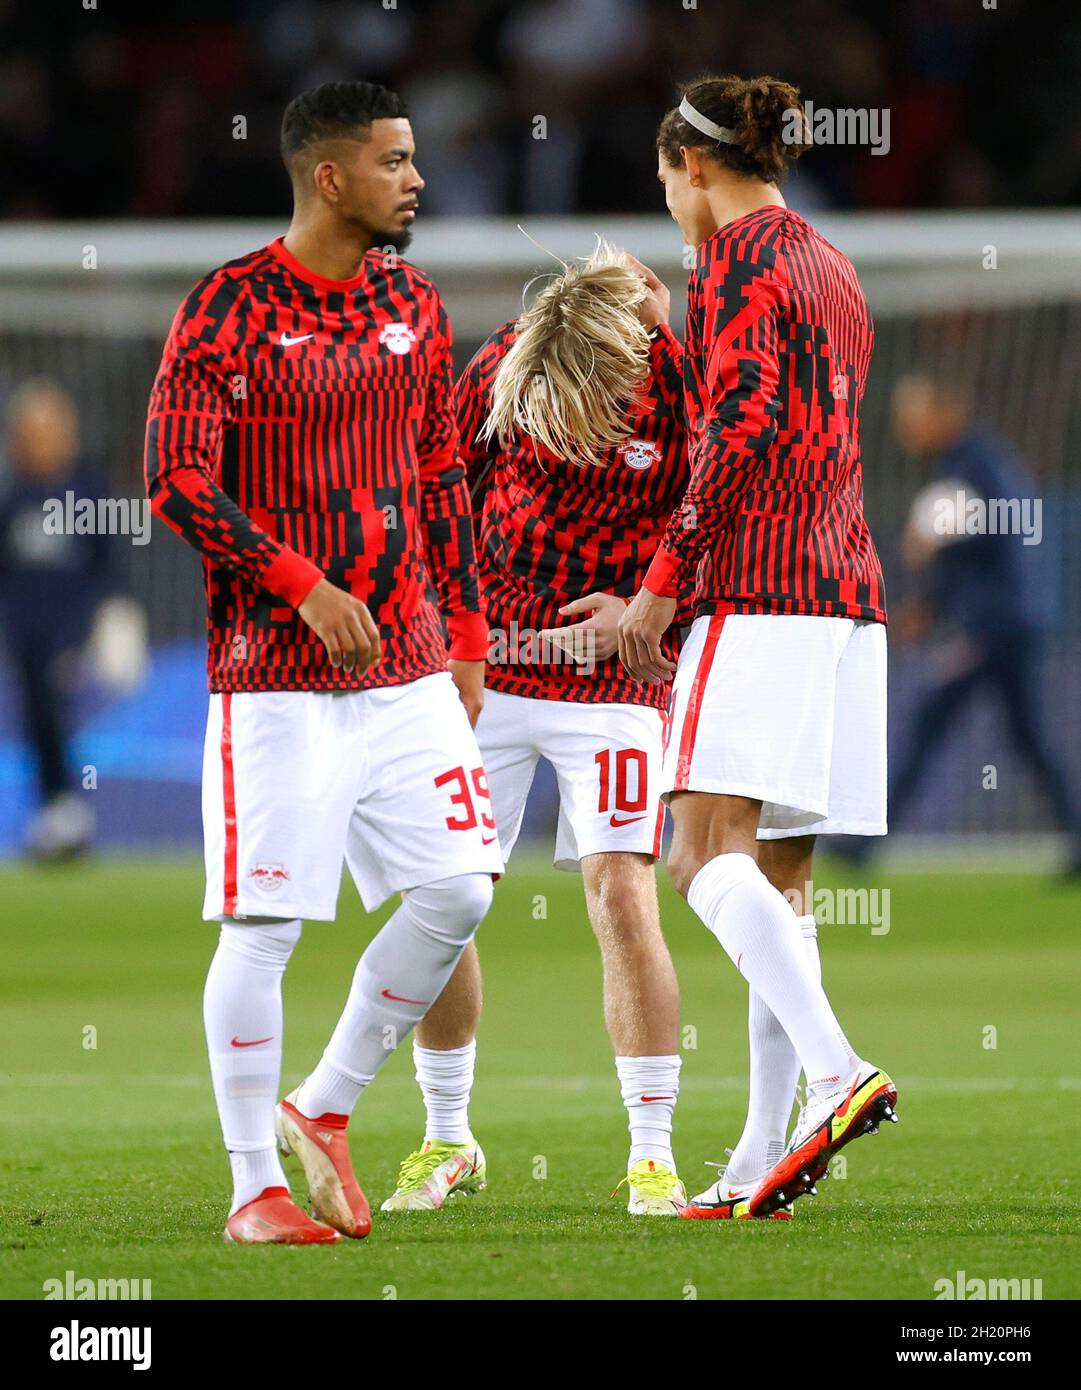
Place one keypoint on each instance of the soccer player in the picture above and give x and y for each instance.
(779, 703)
(301, 435)
(572, 433)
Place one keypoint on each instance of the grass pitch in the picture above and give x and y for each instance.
(112, 1164)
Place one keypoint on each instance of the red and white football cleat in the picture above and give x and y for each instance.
(725, 1201)
(273, 1218)
(825, 1125)
(323, 1150)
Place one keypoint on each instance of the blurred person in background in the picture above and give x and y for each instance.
(58, 598)
(974, 592)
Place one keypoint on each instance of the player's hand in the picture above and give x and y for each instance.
(654, 308)
(343, 625)
(468, 676)
(596, 637)
(641, 628)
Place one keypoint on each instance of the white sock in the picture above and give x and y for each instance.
(809, 927)
(399, 976)
(253, 1172)
(775, 1073)
(446, 1080)
(242, 1013)
(757, 927)
(650, 1086)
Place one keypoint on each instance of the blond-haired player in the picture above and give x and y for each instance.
(571, 430)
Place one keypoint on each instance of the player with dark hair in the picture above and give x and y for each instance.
(301, 435)
(779, 703)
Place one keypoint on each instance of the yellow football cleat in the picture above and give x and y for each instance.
(436, 1171)
(653, 1189)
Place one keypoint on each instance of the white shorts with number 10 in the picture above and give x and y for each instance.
(607, 760)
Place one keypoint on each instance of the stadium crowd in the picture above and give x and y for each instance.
(89, 107)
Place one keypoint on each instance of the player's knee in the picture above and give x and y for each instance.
(480, 895)
(268, 943)
(452, 908)
(624, 911)
(468, 898)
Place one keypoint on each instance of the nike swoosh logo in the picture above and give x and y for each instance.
(464, 1166)
(487, 842)
(842, 1110)
(656, 1097)
(254, 1042)
(617, 821)
(287, 341)
(400, 1000)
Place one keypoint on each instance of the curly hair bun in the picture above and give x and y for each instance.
(764, 112)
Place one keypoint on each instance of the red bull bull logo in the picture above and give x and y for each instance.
(269, 877)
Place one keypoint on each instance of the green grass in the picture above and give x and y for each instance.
(112, 1166)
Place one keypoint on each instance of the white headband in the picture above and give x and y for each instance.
(705, 125)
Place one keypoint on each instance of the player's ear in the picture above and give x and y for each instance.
(692, 162)
(326, 178)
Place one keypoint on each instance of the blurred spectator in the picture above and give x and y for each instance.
(57, 594)
(975, 592)
(456, 111)
(559, 72)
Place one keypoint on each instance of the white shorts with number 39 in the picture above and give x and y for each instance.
(298, 783)
(787, 710)
(607, 761)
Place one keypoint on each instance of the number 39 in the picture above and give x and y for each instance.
(463, 798)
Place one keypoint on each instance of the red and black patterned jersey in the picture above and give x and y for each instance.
(302, 428)
(777, 348)
(549, 531)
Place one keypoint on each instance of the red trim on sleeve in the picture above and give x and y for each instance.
(468, 633)
(662, 577)
(291, 576)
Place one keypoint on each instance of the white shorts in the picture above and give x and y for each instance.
(297, 783)
(787, 710)
(607, 761)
